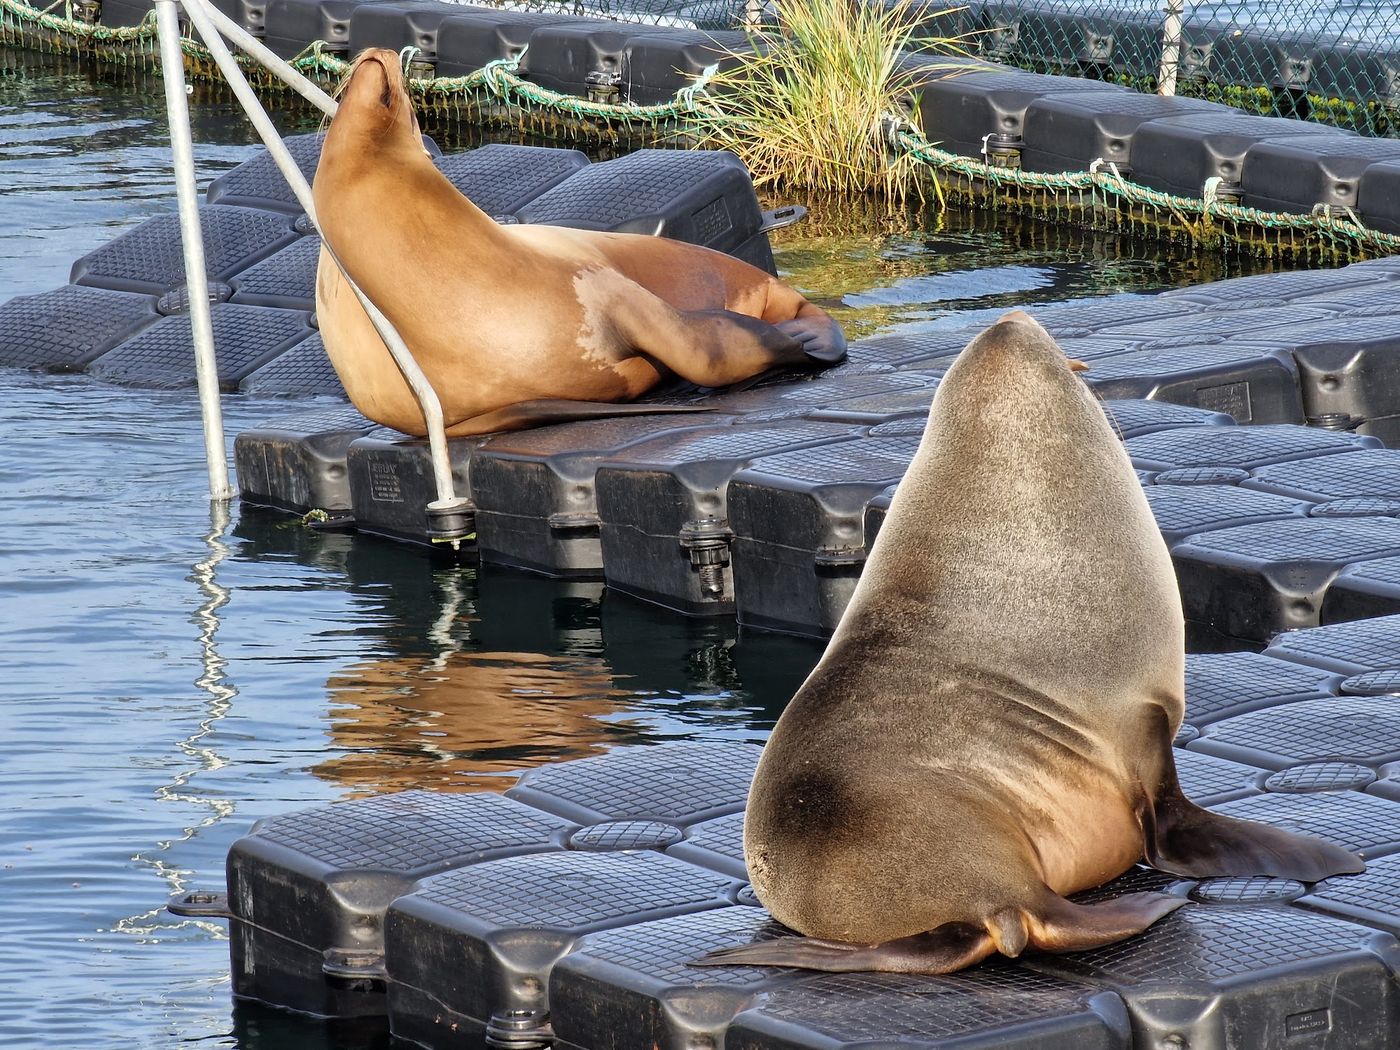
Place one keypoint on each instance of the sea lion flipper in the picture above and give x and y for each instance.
(1181, 838)
(1059, 925)
(950, 947)
(821, 337)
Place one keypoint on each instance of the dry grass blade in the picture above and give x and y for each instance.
(808, 107)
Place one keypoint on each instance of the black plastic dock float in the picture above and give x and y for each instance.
(799, 538)
(533, 489)
(125, 314)
(572, 909)
(298, 464)
(664, 515)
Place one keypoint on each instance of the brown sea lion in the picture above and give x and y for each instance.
(518, 324)
(990, 728)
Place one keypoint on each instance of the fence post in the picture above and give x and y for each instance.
(1171, 47)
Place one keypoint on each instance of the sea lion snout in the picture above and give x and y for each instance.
(1016, 342)
(374, 83)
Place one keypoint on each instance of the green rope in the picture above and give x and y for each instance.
(79, 30)
(1110, 186)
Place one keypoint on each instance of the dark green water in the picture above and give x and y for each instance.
(171, 674)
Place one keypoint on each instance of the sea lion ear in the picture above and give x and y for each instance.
(1181, 838)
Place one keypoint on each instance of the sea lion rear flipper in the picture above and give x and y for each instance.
(1063, 926)
(950, 947)
(1181, 838)
(553, 410)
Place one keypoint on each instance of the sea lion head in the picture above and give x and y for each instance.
(1018, 344)
(1022, 509)
(374, 103)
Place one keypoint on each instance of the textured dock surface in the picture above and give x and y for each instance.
(586, 892)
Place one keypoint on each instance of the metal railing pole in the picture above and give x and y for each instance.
(1171, 47)
(431, 406)
(196, 284)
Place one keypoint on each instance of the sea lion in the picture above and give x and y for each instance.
(990, 728)
(516, 324)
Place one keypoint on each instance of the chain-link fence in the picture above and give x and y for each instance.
(1336, 61)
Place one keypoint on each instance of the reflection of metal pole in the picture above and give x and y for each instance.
(1171, 47)
(219, 694)
(196, 283)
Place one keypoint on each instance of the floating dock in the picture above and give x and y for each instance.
(1344, 73)
(568, 911)
(763, 507)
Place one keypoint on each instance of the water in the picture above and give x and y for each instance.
(172, 674)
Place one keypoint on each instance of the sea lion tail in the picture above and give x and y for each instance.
(1181, 838)
(950, 947)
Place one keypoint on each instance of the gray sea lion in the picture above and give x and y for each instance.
(990, 728)
(520, 324)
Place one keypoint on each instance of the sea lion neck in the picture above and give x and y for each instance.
(1021, 496)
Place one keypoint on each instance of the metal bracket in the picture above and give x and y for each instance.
(353, 964)
(706, 541)
(777, 218)
(577, 522)
(837, 558)
(1001, 150)
(603, 86)
(201, 904)
(451, 520)
(520, 1030)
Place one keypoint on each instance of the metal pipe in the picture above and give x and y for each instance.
(1171, 48)
(431, 406)
(282, 70)
(192, 237)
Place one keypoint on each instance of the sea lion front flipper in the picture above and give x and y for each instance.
(1181, 838)
(1059, 925)
(950, 947)
(821, 337)
(557, 410)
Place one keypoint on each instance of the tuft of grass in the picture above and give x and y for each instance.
(808, 108)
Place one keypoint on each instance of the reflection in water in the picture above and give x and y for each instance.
(876, 268)
(479, 673)
(467, 722)
(214, 682)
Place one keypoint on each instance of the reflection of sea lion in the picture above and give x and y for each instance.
(990, 728)
(469, 722)
(508, 320)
